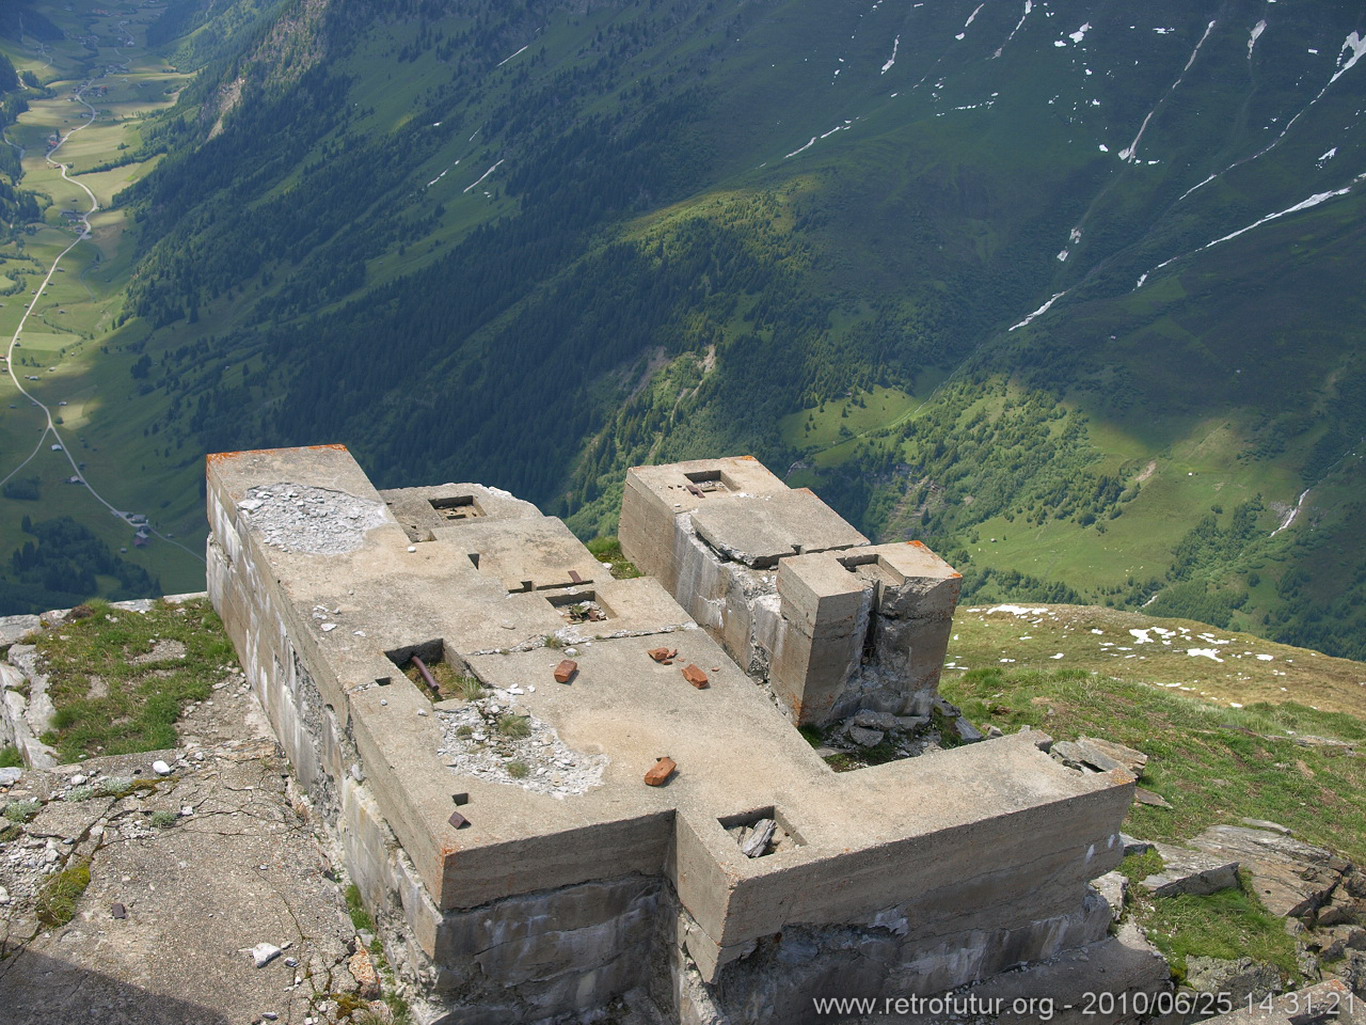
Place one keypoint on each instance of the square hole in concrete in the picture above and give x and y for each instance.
(580, 606)
(457, 508)
(762, 832)
(704, 482)
(869, 567)
(435, 674)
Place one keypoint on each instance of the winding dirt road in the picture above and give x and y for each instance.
(50, 427)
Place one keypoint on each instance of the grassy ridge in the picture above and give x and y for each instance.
(1270, 739)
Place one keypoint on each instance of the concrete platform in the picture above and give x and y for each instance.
(995, 833)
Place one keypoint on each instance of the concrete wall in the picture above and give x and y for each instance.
(919, 875)
(524, 958)
(832, 624)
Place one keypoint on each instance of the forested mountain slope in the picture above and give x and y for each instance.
(534, 243)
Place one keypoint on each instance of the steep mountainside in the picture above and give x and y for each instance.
(1065, 288)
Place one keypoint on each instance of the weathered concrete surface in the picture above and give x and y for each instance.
(829, 622)
(990, 846)
(246, 865)
(774, 526)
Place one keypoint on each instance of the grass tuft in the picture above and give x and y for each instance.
(518, 770)
(360, 918)
(22, 811)
(608, 549)
(1228, 925)
(1137, 867)
(514, 727)
(467, 688)
(57, 899)
(113, 694)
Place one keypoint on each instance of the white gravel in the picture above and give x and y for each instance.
(472, 744)
(311, 521)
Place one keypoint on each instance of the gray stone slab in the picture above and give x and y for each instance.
(1113, 886)
(524, 553)
(1119, 754)
(1331, 1001)
(14, 629)
(1188, 871)
(1292, 878)
(760, 530)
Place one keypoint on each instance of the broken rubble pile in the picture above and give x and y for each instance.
(311, 520)
(907, 735)
(1096, 755)
(476, 740)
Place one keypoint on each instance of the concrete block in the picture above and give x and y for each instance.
(961, 862)
(820, 596)
(758, 531)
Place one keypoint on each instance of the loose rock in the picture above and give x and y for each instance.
(756, 843)
(866, 738)
(362, 969)
(1149, 798)
(871, 720)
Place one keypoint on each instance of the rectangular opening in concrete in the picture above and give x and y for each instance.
(457, 508)
(870, 566)
(761, 832)
(436, 673)
(704, 482)
(580, 606)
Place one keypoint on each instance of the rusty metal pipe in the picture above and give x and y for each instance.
(427, 675)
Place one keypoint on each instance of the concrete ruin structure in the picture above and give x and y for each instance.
(474, 703)
(793, 592)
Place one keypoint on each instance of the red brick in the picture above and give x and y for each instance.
(659, 775)
(695, 676)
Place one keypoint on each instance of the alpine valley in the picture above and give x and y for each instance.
(1069, 289)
